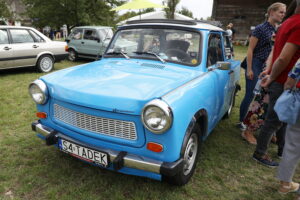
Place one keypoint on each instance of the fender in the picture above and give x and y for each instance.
(200, 118)
(44, 53)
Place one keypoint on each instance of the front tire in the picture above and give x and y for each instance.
(45, 64)
(72, 55)
(190, 156)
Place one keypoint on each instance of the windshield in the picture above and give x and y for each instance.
(170, 45)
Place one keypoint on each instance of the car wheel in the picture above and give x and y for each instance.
(232, 102)
(72, 55)
(45, 64)
(190, 153)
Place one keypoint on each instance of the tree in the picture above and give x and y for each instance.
(170, 11)
(56, 13)
(4, 11)
(186, 12)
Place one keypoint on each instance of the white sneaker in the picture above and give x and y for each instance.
(241, 126)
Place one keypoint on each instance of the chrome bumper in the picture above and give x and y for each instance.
(118, 159)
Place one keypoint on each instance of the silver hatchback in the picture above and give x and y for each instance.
(26, 46)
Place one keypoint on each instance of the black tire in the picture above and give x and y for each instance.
(232, 102)
(45, 64)
(190, 154)
(72, 55)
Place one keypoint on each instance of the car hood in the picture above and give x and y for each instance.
(117, 85)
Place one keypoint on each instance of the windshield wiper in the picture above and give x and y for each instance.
(117, 53)
(151, 53)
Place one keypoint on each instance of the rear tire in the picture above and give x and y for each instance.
(190, 156)
(232, 102)
(72, 55)
(45, 64)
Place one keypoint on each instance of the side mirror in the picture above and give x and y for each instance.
(223, 65)
(67, 40)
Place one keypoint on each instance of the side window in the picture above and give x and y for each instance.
(37, 38)
(90, 35)
(215, 51)
(21, 36)
(3, 36)
(228, 48)
(76, 34)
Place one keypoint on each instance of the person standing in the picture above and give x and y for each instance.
(258, 51)
(233, 31)
(286, 53)
(291, 152)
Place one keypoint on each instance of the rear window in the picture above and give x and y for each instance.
(21, 36)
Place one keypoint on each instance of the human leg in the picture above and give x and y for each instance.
(271, 125)
(250, 85)
(291, 153)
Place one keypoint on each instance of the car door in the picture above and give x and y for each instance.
(24, 48)
(6, 55)
(222, 78)
(105, 37)
(90, 44)
(75, 40)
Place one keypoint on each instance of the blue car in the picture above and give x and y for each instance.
(146, 106)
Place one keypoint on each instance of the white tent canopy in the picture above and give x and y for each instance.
(155, 15)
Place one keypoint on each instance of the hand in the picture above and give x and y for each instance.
(289, 83)
(265, 82)
(263, 74)
(250, 74)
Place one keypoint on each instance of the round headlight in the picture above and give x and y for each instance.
(157, 116)
(38, 92)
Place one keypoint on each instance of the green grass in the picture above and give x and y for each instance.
(31, 170)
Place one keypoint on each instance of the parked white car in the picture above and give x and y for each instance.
(25, 46)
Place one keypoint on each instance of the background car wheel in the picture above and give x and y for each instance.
(190, 158)
(45, 64)
(232, 102)
(72, 55)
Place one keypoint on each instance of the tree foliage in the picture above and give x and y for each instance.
(170, 11)
(186, 12)
(4, 11)
(56, 13)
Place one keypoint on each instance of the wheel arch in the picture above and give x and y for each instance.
(44, 54)
(201, 119)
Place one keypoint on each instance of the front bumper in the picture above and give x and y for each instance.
(118, 159)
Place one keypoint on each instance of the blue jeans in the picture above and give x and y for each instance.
(257, 66)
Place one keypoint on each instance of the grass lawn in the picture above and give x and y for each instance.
(31, 170)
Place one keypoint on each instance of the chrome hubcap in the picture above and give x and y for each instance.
(46, 64)
(190, 154)
(71, 55)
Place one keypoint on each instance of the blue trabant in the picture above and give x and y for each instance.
(146, 106)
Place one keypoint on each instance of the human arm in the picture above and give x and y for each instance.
(268, 68)
(293, 76)
(281, 63)
(252, 44)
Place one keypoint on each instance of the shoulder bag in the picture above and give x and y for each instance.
(287, 106)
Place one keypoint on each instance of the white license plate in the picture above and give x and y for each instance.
(84, 153)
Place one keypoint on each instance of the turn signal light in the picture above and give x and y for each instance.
(66, 48)
(42, 115)
(155, 147)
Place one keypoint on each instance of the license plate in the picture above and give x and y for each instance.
(84, 153)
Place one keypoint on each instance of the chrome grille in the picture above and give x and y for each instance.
(100, 125)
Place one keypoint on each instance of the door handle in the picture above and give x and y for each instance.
(6, 48)
(82, 42)
(35, 46)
